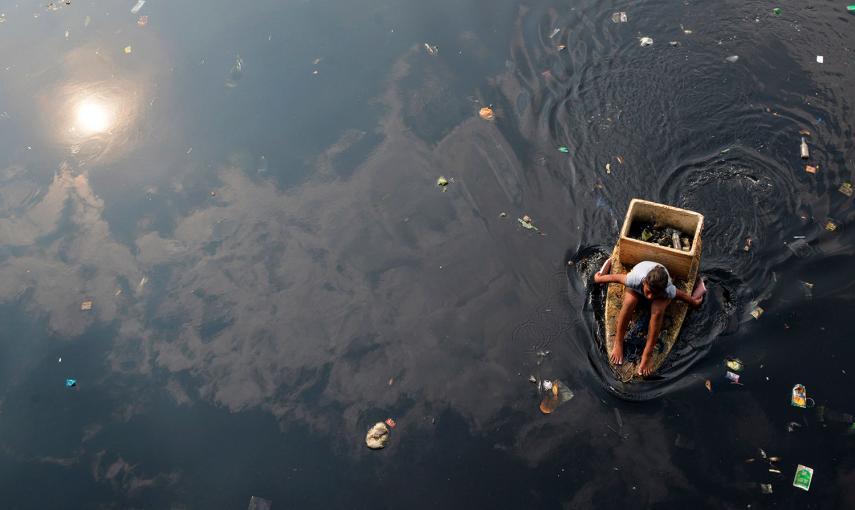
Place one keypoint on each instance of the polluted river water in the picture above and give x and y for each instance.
(237, 236)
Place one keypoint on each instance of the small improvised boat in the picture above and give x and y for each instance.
(681, 260)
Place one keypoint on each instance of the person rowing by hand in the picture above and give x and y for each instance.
(651, 281)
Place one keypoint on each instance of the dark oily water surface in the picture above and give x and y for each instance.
(246, 193)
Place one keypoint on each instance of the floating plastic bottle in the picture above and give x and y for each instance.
(804, 149)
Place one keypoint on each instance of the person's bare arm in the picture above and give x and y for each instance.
(610, 278)
(685, 296)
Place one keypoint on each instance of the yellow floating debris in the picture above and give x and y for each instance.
(486, 113)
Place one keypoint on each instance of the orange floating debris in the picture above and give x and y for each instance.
(486, 113)
(811, 169)
(390, 422)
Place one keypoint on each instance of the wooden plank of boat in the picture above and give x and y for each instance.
(675, 314)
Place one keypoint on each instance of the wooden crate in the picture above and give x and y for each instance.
(678, 262)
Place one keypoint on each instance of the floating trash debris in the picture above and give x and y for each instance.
(766, 488)
(846, 189)
(757, 312)
(733, 378)
(86, 305)
(431, 50)
(732, 58)
(804, 475)
(776, 11)
(142, 21)
(377, 436)
(799, 397)
(792, 426)
(619, 17)
(442, 182)
(235, 73)
(256, 503)
(128, 50)
(645, 41)
(526, 222)
(803, 149)
(390, 423)
(137, 6)
(673, 43)
(70, 383)
(554, 33)
(811, 169)
(808, 289)
(532, 379)
(830, 225)
(734, 364)
(563, 149)
(708, 385)
(503, 214)
(820, 59)
(486, 113)
(556, 395)
(747, 246)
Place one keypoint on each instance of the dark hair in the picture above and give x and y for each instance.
(657, 280)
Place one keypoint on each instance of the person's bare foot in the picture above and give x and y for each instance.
(645, 366)
(617, 354)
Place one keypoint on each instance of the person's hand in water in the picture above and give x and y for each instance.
(699, 292)
(697, 297)
(605, 270)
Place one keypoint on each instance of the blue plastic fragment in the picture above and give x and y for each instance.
(70, 383)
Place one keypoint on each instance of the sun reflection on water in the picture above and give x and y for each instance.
(95, 119)
(92, 116)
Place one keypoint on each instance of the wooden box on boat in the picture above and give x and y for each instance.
(678, 262)
(682, 266)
